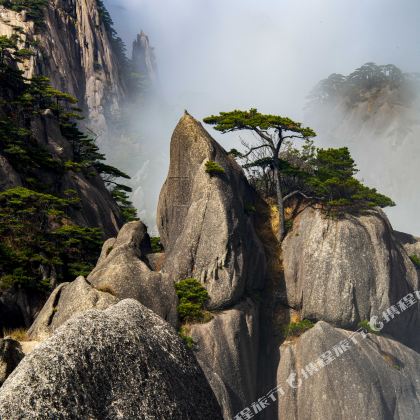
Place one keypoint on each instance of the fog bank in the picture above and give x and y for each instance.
(218, 55)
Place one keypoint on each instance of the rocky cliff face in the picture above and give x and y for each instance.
(75, 49)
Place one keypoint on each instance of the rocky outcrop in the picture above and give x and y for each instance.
(124, 362)
(410, 243)
(372, 378)
(66, 301)
(227, 350)
(124, 271)
(10, 356)
(203, 221)
(143, 58)
(347, 270)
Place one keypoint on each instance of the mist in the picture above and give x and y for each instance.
(219, 55)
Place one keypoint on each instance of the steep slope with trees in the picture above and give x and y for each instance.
(374, 111)
(58, 199)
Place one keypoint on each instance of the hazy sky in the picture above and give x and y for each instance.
(219, 54)
(216, 55)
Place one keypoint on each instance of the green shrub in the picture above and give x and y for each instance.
(289, 225)
(192, 299)
(366, 326)
(333, 182)
(188, 340)
(249, 208)
(295, 329)
(416, 260)
(156, 244)
(213, 168)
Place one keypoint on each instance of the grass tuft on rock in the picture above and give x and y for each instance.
(295, 329)
(366, 326)
(415, 260)
(18, 334)
(188, 340)
(213, 168)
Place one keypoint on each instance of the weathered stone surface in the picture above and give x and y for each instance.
(203, 220)
(346, 270)
(123, 271)
(156, 260)
(67, 300)
(10, 356)
(376, 379)
(227, 350)
(124, 362)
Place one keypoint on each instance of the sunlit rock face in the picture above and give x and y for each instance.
(124, 270)
(203, 219)
(347, 270)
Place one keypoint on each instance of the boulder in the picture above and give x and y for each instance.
(10, 356)
(123, 271)
(375, 378)
(346, 270)
(124, 362)
(227, 350)
(67, 300)
(205, 220)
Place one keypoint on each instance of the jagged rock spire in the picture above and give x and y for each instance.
(144, 60)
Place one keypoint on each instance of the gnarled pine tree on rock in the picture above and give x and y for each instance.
(273, 131)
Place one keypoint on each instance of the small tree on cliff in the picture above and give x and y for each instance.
(272, 131)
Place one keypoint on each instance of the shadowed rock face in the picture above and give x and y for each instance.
(124, 362)
(347, 270)
(227, 350)
(123, 270)
(376, 379)
(10, 356)
(202, 219)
